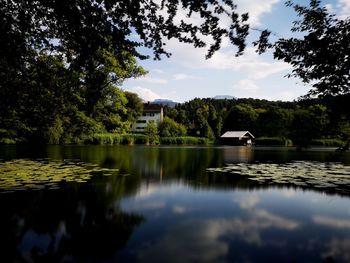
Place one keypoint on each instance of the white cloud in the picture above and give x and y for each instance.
(255, 8)
(159, 71)
(149, 95)
(246, 85)
(344, 7)
(144, 93)
(329, 8)
(250, 64)
(182, 76)
(151, 80)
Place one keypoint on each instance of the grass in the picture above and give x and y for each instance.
(131, 139)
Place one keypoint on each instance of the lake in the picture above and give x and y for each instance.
(173, 204)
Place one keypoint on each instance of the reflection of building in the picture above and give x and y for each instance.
(151, 112)
(238, 154)
(237, 138)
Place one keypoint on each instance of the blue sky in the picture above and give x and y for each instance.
(187, 74)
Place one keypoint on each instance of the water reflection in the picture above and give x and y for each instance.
(75, 224)
(239, 227)
(239, 154)
(162, 206)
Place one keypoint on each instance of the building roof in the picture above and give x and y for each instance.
(152, 108)
(236, 134)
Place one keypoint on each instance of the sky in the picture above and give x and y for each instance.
(187, 74)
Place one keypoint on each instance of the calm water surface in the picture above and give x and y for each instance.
(163, 206)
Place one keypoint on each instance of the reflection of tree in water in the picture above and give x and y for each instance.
(81, 222)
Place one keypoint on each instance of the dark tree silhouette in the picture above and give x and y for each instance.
(320, 56)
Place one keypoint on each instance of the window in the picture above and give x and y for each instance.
(148, 114)
(141, 121)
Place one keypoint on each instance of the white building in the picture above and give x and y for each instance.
(151, 112)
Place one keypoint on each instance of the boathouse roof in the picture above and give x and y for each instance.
(237, 134)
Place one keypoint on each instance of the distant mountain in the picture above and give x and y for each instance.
(224, 97)
(165, 102)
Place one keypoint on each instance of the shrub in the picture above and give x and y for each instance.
(168, 140)
(128, 139)
(141, 139)
(273, 141)
(327, 142)
(170, 128)
(185, 140)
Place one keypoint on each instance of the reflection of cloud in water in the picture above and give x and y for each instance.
(192, 241)
(338, 248)
(150, 189)
(270, 220)
(330, 221)
(146, 190)
(265, 218)
(247, 202)
(179, 209)
(147, 205)
(204, 240)
(288, 192)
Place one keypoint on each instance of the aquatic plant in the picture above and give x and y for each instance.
(327, 176)
(24, 174)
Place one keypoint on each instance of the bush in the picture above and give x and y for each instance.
(8, 137)
(273, 141)
(170, 128)
(130, 139)
(185, 140)
(328, 142)
(141, 139)
(127, 139)
(168, 140)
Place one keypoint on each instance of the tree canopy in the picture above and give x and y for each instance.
(62, 60)
(320, 56)
(81, 27)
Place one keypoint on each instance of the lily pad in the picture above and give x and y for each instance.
(24, 174)
(330, 176)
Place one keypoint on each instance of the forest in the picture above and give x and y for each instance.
(63, 63)
(324, 121)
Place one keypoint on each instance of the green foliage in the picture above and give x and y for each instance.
(151, 131)
(54, 133)
(327, 142)
(51, 105)
(274, 121)
(134, 106)
(301, 120)
(309, 124)
(170, 128)
(319, 54)
(273, 141)
(116, 139)
(130, 139)
(8, 136)
(242, 117)
(187, 140)
(110, 22)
